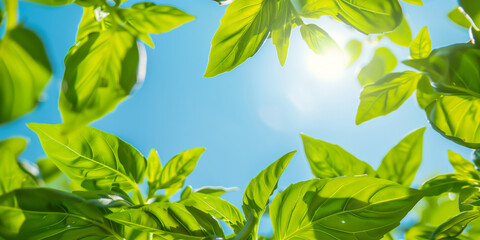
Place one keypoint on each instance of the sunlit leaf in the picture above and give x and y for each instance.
(216, 207)
(416, 2)
(318, 40)
(12, 175)
(53, 2)
(152, 18)
(452, 182)
(177, 169)
(353, 49)
(260, 188)
(315, 8)
(24, 72)
(340, 208)
(215, 191)
(386, 95)
(373, 16)
(469, 199)
(49, 172)
(40, 213)
(422, 45)
(402, 161)
(282, 28)
(472, 9)
(459, 18)
(382, 63)
(462, 165)
(153, 172)
(425, 93)
(108, 199)
(169, 220)
(402, 35)
(455, 117)
(91, 157)
(455, 226)
(242, 31)
(329, 160)
(100, 71)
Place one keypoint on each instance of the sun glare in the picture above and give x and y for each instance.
(329, 66)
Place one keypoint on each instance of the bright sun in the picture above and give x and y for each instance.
(329, 66)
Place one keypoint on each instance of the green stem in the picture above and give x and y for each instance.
(11, 11)
(138, 194)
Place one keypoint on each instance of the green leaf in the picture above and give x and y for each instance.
(402, 35)
(177, 169)
(259, 189)
(455, 117)
(455, 226)
(386, 95)
(91, 157)
(53, 2)
(13, 176)
(425, 93)
(24, 72)
(169, 220)
(215, 191)
(282, 29)
(462, 165)
(242, 31)
(402, 161)
(109, 199)
(469, 199)
(459, 18)
(153, 172)
(49, 172)
(472, 9)
(353, 50)
(330, 160)
(382, 63)
(40, 213)
(318, 40)
(1, 17)
(416, 2)
(88, 24)
(149, 17)
(355, 207)
(100, 71)
(315, 8)
(216, 207)
(373, 16)
(452, 182)
(422, 45)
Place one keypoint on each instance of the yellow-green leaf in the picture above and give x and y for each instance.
(318, 40)
(402, 35)
(422, 45)
(459, 18)
(382, 63)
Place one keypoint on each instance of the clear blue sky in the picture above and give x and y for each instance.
(251, 116)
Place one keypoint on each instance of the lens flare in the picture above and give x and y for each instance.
(329, 66)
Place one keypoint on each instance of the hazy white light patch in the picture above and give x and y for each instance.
(452, 196)
(142, 64)
(100, 14)
(329, 66)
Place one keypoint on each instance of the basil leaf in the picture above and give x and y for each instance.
(177, 169)
(282, 29)
(452, 182)
(416, 2)
(422, 45)
(386, 95)
(100, 71)
(318, 40)
(40, 213)
(13, 176)
(243, 29)
(353, 50)
(169, 220)
(382, 63)
(373, 16)
(341, 208)
(215, 191)
(455, 226)
(49, 172)
(24, 72)
(402, 161)
(216, 207)
(459, 18)
(91, 157)
(425, 93)
(402, 35)
(315, 8)
(149, 17)
(329, 160)
(260, 188)
(153, 172)
(53, 2)
(462, 165)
